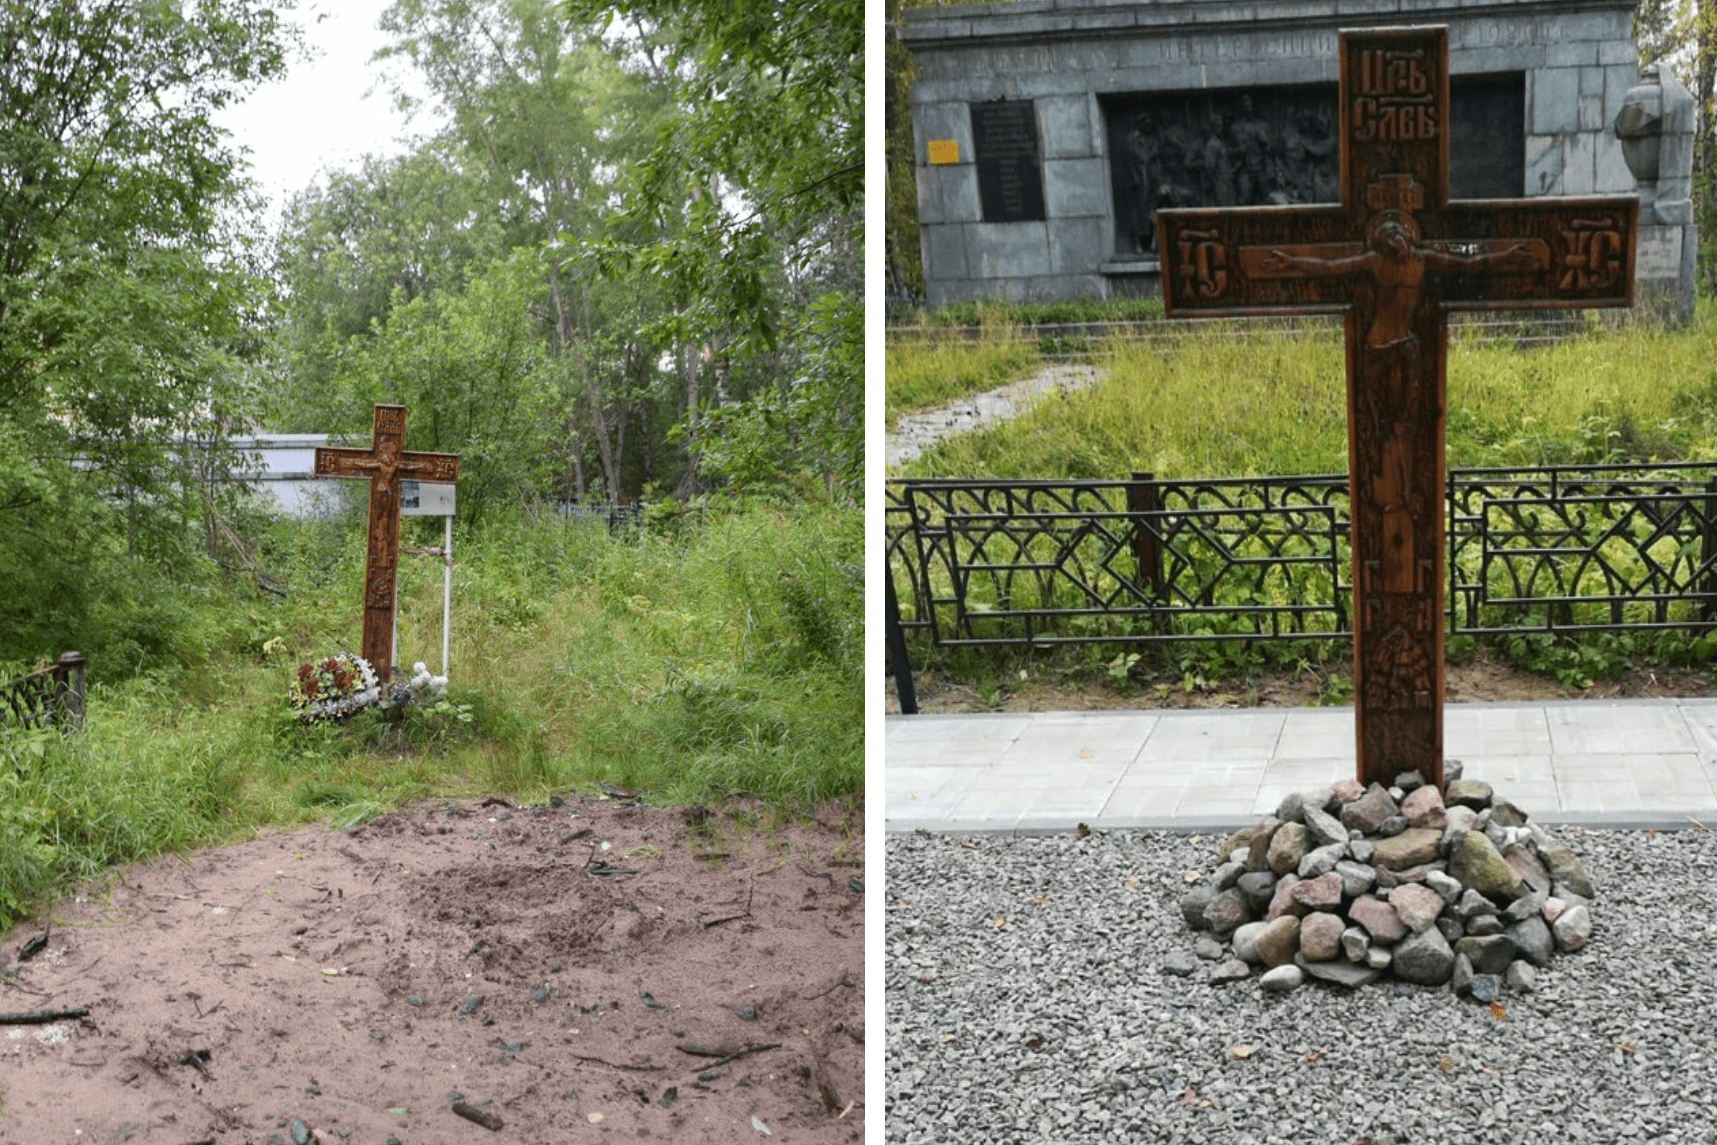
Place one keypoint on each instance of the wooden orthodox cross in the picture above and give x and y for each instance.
(385, 464)
(1393, 258)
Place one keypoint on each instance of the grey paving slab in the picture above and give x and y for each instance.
(1616, 727)
(1601, 763)
(1492, 730)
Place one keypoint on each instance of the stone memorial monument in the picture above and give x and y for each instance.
(1655, 128)
(1049, 133)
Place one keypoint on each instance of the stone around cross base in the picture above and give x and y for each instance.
(1322, 860)
(1486, 987)
(1461, 976)
(1323, 891)
(1489, 954)
(1520, 856)
(1474, 793)
(1506, 813)
(1292, 808)
(1475, 861)
(1527, 905)
(1279, 941)
(1192, 906)
(1245, 941)
(1416, 905)
(1392, 826)
(1484, 925)
(1452, 770)
(1355, 943)
(1257, 888)
(1408, 849)
(1566, 869)
(1257, 853)
(1282, 980)
(1340, 971)
(1320, 936)
(1356, 878)
(1361, 850)
(1378, 958)
(1344, 791)
(1533, 940)
(1225, 912)
(1424, 958)
(1287, 848)
(1239, 843)
(1409, 781)
(1369, 810)
(1447, 887)
(1326, 829)
(1522, 977)
(1228, 874)
(1379, 920)
(1424, 808)
(1207, 948)
(1573, 929)
(1283, 901)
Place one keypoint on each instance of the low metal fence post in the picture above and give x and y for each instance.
(68, 688)
(900, 667)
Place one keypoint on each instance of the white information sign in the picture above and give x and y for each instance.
(425, 499)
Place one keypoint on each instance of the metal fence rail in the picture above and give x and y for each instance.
(1553, 549)
(50, 697)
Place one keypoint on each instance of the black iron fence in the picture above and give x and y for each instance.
(50, 697)
(1559, 549)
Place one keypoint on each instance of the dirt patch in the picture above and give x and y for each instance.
(591, 967)
(1481, 677)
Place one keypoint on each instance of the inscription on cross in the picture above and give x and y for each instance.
(385, 464)
(1394, 257)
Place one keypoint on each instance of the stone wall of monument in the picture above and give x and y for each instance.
(1071, 67)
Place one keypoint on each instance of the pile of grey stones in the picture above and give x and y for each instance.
(1349, 884)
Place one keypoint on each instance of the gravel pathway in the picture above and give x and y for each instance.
(919, 432)
(1026, 1003)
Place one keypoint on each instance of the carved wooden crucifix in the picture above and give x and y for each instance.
(385, 464)
(1394, 257)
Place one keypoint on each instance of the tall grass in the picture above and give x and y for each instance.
(924, 372)
(689, 664)
(1230, 401)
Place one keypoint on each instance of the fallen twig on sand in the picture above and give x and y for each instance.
(37, 1017)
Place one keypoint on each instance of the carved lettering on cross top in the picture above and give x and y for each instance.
(1394, 257)
(385, 464)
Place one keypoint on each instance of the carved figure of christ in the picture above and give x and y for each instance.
(1393, 258)
(385, 464)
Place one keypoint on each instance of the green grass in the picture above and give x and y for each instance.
(924, 373)
(1271, 401)
(723, 662)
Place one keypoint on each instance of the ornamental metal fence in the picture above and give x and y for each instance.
(1558, 549)
(50, 697)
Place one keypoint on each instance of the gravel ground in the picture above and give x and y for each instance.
(1025, 1003)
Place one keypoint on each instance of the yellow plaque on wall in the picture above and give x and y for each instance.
(944, 151)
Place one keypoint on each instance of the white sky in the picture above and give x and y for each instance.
(330, 109)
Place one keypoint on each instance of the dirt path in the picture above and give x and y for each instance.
(588, 971)
(919, 432)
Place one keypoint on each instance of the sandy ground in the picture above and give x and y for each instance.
(592, 970)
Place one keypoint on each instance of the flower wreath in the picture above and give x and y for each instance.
(334, 688)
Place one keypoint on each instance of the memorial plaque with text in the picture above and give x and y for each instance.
(1010, 170)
